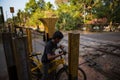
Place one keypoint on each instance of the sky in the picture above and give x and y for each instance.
(17, 4)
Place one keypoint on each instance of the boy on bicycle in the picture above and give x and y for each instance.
(49, 55)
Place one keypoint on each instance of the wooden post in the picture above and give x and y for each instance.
(22, 58)
(3, 63)
(2, 22)
(29, 38)
(73, 48)
(8, 49)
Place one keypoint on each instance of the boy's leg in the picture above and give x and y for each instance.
(45, 72)
(52, 75)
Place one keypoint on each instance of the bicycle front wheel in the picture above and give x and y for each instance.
(81, 74)
(63, 74)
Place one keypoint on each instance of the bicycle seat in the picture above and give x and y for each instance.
(35, 54)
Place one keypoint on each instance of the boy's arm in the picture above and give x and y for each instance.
(52, 57)
(60, 46)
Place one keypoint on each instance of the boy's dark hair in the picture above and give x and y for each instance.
(57, 34)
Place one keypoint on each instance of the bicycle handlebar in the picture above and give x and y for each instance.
(62, 50)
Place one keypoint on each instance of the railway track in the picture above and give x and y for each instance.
(98, 45)
(103, 47)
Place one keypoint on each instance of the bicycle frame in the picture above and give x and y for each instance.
(56, 64)
(39, 64)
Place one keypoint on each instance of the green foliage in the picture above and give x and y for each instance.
(41, 4)
(57, 2)
(49, 6)
(108, 9)
(69, 17)
(36, 10)
(31, 6)
(65, 22)
(9, 20)
(70, 12)
(34, 19)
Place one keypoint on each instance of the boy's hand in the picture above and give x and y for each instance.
(61, 46)
(61, 53)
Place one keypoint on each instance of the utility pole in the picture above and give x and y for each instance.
(6, 15)
(12, 11)
(1, 18)
(84, 13)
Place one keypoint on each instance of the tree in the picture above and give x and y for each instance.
(31, 6)
(58, 2)
(69, 16)
(49, 6)
(34, 18)
(109, 9)
(22, 17)
(41, 4)
(37, 9)
(34, 10)
(9, 20)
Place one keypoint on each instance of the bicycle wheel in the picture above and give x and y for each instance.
(36, 74)
(81, 74)
(63, 74)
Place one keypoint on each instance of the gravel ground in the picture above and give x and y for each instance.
(105, 50)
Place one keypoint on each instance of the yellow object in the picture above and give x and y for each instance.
(39, 64)
(49, 25)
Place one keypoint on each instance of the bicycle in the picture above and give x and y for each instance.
(61, 74)
(35, 66)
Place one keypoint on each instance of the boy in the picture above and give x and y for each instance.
(49, 55)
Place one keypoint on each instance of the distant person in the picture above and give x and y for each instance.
(9, 27)
(20, 32)
(38, 29)
(49, 55)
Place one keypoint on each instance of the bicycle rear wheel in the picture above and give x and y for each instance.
(63, 74)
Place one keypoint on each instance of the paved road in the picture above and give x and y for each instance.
(108, 36)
